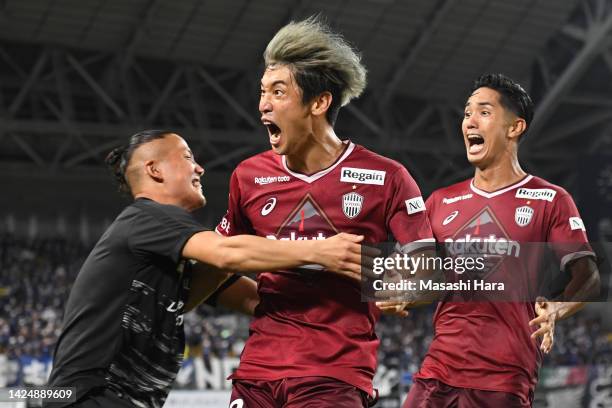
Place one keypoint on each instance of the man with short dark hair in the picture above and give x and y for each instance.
(484, 354)
(312, 342)
(122, 340)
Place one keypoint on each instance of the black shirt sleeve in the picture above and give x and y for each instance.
(162, 230)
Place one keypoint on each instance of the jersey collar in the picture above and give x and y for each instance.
(315, 176)
(499, 192)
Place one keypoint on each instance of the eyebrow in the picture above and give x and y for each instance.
(278, 81)
(481, 104)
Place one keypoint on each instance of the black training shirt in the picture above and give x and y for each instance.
(123, 323)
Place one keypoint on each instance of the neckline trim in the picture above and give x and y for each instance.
(502, 191)
(315, 176)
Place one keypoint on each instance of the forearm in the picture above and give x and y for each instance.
(341, 254)
(585, 283)
(205, 280)
(563, 310)
(240, 297)
(248, 253)
(254, 254)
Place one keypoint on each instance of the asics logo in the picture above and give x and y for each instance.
(269, 206)
(450, 217)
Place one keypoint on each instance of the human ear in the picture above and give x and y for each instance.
(321, 103)
(153, 170)
(517, 127)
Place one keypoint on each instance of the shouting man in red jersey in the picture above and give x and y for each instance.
(312, 340)
(484, 354)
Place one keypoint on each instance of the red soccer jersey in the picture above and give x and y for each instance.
(312, 323)
(487, 345)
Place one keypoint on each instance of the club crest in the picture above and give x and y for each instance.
(523, 215)
(351, 204)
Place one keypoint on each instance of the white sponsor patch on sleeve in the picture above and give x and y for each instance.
(547, 194)
(362, 176)
(415, 205)
(576, 223)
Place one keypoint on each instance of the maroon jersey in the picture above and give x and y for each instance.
(309, 322)
(487, 345)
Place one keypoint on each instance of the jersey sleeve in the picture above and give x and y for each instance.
(406, 217)
(162, 231)
(234, 222)
(567, 233)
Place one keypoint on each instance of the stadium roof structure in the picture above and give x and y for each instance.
(77, 77)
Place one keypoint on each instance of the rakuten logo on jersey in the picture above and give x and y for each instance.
(271, 179)
(362, 176)
(293, 236)
(490, 245)
(458, 198)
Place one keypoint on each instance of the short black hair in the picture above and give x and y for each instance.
(119, 158)
(512, 95)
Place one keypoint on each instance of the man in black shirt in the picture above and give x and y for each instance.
(122, 341)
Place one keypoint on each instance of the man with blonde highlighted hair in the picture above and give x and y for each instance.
(312, 340)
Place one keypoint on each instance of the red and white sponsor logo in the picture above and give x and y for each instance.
(415, 205)
(458, 198)
(576, 223)
(362, 176)
(547, 194)
(262, 181)
(491, 245)
(483, 236)
(295, 236)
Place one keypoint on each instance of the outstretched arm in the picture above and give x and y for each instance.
(341, 253)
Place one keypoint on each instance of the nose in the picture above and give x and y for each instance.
(265, 106)
(199, 170)
(470, 122)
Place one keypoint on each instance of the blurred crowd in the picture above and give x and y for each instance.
(35, 280)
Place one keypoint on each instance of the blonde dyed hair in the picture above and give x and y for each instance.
(320, 60)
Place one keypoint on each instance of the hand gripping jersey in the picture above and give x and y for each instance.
(487, 345)
(310, 322)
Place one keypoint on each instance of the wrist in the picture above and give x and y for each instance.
(310, 254)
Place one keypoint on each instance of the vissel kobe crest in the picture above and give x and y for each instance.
(523, 215)
(351, 204)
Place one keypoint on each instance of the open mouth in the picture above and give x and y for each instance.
(197, 183)
(475, 144)
(273, 131)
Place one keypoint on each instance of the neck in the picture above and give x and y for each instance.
(501, 174)
(319, 151)
(160, 198)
